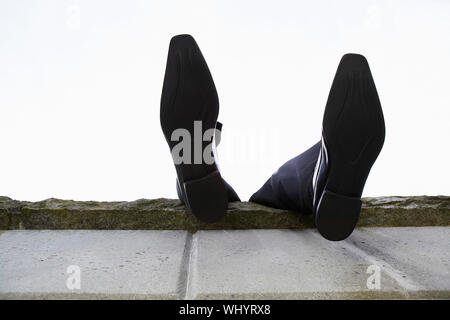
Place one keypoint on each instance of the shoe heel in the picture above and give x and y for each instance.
(337, 215)
(207, 198)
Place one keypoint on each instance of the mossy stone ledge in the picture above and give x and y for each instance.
(171, 214)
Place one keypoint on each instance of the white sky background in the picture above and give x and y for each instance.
(80, 87)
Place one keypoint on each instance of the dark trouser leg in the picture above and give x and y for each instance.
(291, 186)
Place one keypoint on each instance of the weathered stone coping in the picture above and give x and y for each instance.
(170, 214)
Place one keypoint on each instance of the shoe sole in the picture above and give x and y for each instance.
(206, 197)
(353, 135)
(189, 95)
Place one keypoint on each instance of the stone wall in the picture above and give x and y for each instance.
(170, 214)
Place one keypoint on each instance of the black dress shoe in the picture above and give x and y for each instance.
(190, 105)
(352, 137)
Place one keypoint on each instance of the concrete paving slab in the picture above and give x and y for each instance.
(112, 264)
(229, 264)
(421, 254)
(301, 264)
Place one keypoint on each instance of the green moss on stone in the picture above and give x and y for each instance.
(170, 214)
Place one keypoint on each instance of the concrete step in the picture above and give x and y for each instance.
(400, 262)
